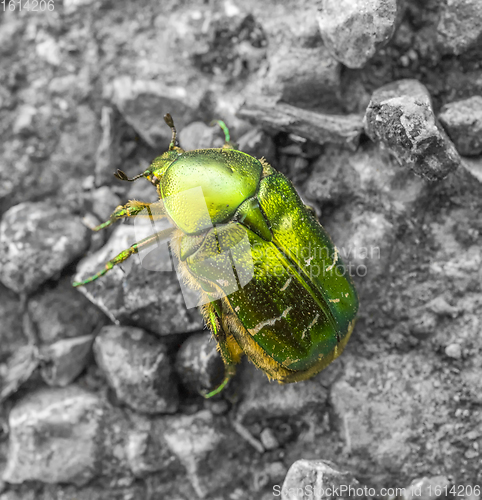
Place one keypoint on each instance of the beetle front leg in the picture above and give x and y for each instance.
(134, 208)
(230, 358)
(125, 254)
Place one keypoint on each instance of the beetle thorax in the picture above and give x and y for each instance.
(205, 187)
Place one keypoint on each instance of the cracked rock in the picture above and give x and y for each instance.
(401, 117)
(137, 368)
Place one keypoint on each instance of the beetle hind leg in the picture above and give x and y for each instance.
(228, 348)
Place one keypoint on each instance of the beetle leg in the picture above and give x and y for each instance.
(125, 254)
(134, 208)
(223, 346)
(227, 136)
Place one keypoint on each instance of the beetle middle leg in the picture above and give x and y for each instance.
(134, 208)
(125, 254)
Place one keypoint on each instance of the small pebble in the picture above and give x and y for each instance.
(453, 351)
(268, 439)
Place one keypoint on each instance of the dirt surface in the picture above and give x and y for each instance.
(99, 399)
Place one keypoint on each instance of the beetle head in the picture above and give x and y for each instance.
(159, 166)
(156, 171)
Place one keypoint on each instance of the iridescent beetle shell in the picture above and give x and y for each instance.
(272, 283)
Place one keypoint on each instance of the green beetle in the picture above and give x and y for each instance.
(272, 283)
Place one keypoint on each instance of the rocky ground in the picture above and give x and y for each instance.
(374, 109)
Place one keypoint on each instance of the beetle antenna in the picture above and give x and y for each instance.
(170, 123)
(123, 177)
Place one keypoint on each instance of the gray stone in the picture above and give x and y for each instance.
(139, 291)
(146, 449)
(62, 312)
(199, 364)
(354, 30)
(462, 121)
(401, 117)
(306, 77)
(268, 439)
(104, 202)
(143, 103)
(37, 240)
(199, 135)
(259, 144)
(423, 324)
(320, 479)
(24, 121)
(263, 399)
(202, 443)
(17, 369)
(55, 436)
(459, 27)
(137, 368)
(63, 361)
(454, 351)
(18, 352)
